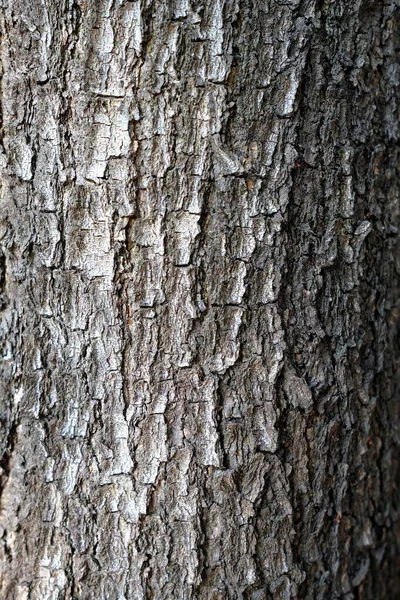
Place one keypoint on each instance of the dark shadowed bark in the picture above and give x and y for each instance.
(199, 279)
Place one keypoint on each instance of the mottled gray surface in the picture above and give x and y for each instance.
(199, 279)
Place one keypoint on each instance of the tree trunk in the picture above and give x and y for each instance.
(199, 311)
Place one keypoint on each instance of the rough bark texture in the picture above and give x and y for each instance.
(199, 272)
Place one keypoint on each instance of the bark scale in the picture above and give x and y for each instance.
(199, 272)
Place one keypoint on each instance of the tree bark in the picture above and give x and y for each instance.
(199, 272)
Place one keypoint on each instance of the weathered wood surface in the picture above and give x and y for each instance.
(199, 299)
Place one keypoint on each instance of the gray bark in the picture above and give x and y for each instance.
(199, 281)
